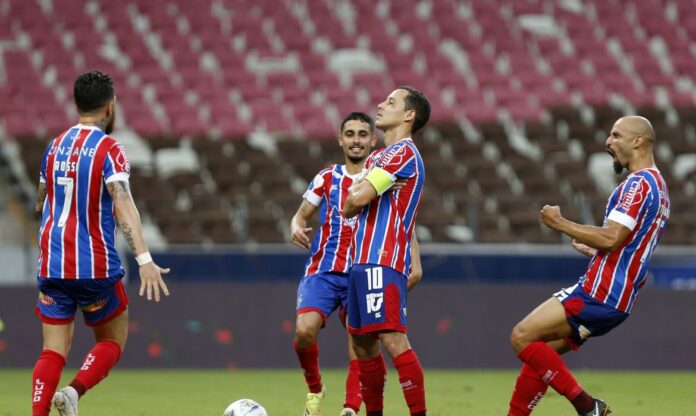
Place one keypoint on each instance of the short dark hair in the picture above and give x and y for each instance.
(93, 90)
(357, 115)
(416, 100)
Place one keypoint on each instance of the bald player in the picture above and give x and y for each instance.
(634, 220)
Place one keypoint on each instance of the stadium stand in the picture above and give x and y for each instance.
(238, 102)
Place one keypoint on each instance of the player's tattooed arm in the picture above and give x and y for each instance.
(128, 219)
(128, 235)
(118, 190)
(127, 215)
(40, 198)
(120, 193)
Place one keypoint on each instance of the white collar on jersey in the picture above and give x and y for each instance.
(87, 126)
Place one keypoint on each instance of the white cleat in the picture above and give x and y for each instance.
(65, 401)
(313, 404)
(348, 412)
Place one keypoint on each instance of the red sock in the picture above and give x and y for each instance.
(96, 366)
(373, 375)
(411, 379)
(353, 396)
(309, 361)
(529, 389)
(45, 380)
(548, 365)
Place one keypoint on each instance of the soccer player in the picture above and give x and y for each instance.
(83, 191)
(634, 221)
(324, 287)
(381, 252)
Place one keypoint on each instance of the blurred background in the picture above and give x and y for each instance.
(229, 107)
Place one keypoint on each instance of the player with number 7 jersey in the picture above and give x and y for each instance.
(77, 234)
(83, 193)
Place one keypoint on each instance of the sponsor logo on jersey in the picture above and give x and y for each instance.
(95, 306)
(45, 299)
(122, 160)
(630, 198)
(584, 332)
(394, 155)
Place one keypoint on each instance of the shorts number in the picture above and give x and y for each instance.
(69, 184)
(374, 300)
(374, 278)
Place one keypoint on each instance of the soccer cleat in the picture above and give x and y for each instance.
(600, 409)
(348, 412)
(65, 401)
(313, 403)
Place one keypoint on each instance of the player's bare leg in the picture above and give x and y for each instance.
(537, 340)
(57, 340)
(353, 398)
(545, 323)
(115, 330)
(307, 326)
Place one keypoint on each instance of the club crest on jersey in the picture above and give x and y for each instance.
(95, 306)
(349, 221)
(633, 196)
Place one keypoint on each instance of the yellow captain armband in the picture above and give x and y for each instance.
(380, 179)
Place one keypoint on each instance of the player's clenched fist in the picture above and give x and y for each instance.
(550, 215)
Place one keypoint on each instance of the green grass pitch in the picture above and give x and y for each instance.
(449, 392)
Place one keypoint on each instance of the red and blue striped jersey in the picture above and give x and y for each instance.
(641, 203)
(77, 238)
(331, 245)
(384, 228)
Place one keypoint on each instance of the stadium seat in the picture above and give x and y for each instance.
(202, 76)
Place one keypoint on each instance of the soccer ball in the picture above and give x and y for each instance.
(245, 407)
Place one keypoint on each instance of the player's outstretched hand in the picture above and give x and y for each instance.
(550, 215)
(151, 280)
(300, 237)
(583, 248)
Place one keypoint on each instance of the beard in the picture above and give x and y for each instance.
(618, 167)
(110, 124)
(356, 159)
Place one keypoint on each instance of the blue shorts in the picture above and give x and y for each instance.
(587, 316)
(323, 292)
(376, 300)
(100, 300)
